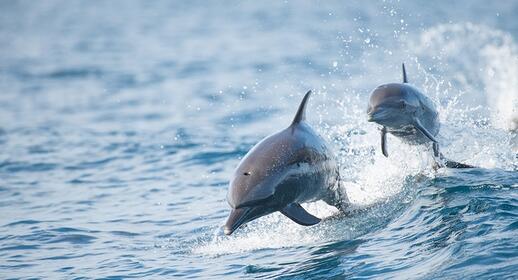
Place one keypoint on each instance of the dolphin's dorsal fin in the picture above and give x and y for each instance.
(299, 215)
(405, 80)
(301, 112)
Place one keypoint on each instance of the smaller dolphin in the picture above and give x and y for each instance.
(408, 114)
(283, 170)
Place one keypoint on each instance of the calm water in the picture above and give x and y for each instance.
(122, 121)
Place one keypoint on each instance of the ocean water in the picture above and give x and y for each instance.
(121, 123)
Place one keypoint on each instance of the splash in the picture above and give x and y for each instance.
(471, 71)
(480, 63)
(271, 231)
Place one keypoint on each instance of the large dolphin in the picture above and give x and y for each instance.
(408, 114)
(283, 170)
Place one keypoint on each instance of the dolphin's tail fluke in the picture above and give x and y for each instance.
(441, 161)
(454, 164)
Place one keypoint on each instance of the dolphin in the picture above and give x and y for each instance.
(282, 171)
(402, 110)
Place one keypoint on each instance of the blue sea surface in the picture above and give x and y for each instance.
(121, 123)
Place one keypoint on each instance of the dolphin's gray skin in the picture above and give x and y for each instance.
(283, 170)
(408, 114)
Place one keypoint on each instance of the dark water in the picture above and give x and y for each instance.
(122, 121)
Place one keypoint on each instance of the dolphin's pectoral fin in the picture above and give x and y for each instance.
(405, 79)
(436, 152)
(420, 127)
(384, 141)
(299, 215)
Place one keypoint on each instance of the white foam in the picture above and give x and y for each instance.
(481, 68)
(271, 231)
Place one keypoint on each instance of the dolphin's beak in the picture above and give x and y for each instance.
(376, 115)
(236, 218)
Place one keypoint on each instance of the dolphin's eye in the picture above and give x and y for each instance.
(246, 173)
